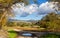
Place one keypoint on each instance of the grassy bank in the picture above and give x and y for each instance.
(51, 36)
(12, 34)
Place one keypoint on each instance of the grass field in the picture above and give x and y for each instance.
(51, 36)
(12, 34)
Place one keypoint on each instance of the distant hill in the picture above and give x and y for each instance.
(14, 20)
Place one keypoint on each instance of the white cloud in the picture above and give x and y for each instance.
(48, 7)
(20, 9)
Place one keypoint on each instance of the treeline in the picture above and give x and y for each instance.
(21, 24)
(50, 22)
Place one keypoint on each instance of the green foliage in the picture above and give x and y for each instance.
(12, 34)
(50, 21)
(10, 24)
(51, 36)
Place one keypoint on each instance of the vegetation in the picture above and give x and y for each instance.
(5, 10)
(50, 21)
(46, 22)
(12, 34)
(55, 0)
(51, 36)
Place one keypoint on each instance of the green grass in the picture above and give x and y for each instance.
(51, 36)
(12, 34)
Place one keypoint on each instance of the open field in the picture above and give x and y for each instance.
(24, 28)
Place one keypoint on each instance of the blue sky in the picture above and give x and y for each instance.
(41, 1)
(38, 1)
(32, 16)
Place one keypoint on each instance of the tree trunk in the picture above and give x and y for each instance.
(0, 25)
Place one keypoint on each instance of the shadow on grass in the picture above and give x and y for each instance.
(11, 31)
(51, 36)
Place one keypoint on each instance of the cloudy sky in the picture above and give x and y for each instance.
(33, 11)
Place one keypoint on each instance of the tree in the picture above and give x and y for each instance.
(50, 21)
(55, 0)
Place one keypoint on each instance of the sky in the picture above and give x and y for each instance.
(37, 1)
(32, 11)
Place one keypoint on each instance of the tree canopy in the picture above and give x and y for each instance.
(50, 21)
